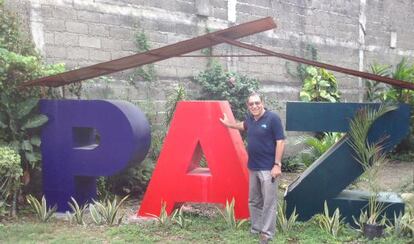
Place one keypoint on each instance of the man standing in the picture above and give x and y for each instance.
(265, 146)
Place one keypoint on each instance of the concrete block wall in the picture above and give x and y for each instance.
(351, 34)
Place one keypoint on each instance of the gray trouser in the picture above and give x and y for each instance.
(262, 202)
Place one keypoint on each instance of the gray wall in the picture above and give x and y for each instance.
(348, 33)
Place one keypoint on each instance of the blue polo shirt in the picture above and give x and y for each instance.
(261, 140)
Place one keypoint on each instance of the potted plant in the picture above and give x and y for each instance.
(372, 158)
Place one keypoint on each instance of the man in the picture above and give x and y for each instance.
(265, 146)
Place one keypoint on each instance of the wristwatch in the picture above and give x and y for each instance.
(278, 164)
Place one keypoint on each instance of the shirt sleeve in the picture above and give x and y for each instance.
(277, 128)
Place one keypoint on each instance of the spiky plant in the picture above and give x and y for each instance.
(331, 224)
(229, 217)
(78, 212)
(403, 224)
(106, 211)
(371, 156)
(43, 212)
(179, 218)
(163, 218)
(283, 223)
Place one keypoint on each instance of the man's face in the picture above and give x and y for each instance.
(255, 106)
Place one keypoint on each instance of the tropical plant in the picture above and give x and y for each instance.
(102, 189)
(283, 223)
(179, 218)
(19, 118)
(217, 84)
(374, 90)
(292, 164)
(43, 212)
(386, 93)
(163, 218)
(315, 147)
(371, 156)
(375, 211)
(403, 224)
(229, 217)
(96, 216)
(319, 85)
(331, 224)
(78, 212)
(105, 212)
(10, 173)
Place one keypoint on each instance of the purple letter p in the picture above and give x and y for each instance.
(84, 139)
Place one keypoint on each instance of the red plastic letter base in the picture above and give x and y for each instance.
(178, 178)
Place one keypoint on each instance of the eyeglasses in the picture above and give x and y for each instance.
(257, 103)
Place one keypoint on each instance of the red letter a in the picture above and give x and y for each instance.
(178, 179)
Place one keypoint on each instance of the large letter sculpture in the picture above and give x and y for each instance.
(86, 139)
(178, 178)
(330, 174)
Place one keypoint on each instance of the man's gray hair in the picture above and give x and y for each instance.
(254, 94)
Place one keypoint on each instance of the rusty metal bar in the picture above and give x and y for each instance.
(388, 80)
(154, 55)
(223, 56)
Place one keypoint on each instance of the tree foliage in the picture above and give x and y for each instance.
(19, 62)
(217, 84)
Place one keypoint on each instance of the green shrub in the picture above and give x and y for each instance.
(19, 118)
(10, 173)
(403, 224)
(314, 148)
(378, 92)
(292, 164)
(217, 84)
(319, 85)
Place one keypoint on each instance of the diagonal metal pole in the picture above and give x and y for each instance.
(383, 79)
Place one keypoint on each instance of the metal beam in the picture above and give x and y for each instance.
(154, 55)
(383, 79)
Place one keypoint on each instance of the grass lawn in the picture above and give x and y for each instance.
(202, 230)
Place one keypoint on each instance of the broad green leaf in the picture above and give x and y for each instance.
(35, 141)
(305, 96)
(26, 145)
(30, 156)
(324, 94)
(308, 86)
(35, 121)
(26, 107)
(312, 71)
(3, 120)
(324, 83)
